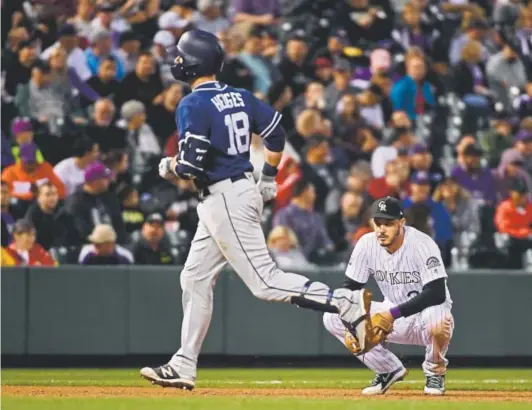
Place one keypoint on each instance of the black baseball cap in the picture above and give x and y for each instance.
(387, 208)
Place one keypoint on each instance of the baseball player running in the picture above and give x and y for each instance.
(409, 271)
(215, 122)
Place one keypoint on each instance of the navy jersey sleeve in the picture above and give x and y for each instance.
(267, 124)
(193, 129)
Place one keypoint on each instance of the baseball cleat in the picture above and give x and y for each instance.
(166, 376)
(435, 385)
(383, 381)
(360, 327)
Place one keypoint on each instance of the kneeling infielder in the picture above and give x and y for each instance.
(409, 271)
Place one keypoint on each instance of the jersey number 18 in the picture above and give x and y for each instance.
(238, 128)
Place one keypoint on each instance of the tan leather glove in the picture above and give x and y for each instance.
(382, 324)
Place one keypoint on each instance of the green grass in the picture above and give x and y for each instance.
(457, 379)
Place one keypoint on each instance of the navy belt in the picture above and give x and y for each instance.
(205, 191)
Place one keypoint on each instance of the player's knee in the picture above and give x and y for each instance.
(329, 321)
(440, 330)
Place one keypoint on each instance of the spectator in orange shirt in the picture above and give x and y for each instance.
(27, 172)
(24, 250)
(514, 217)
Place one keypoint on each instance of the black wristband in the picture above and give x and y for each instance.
(269, 170)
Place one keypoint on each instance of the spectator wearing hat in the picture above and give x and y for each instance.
(153, 246)
(103, 249)
(68, 40)
(105, 82)
(511, 167)
(162, 116)
(523, 146)
(441, 220)
(284, 247)
(513, 217)
(210, 17)
(94, 204)
(339, 87)
(144, 84)
(40, 100)
(323, 70)
(161, 42)
(475, 30)
(27, 173)
(421, 160)
(19, 70)
(263, 71)
(342, 225)
(118, 162)
(498, 138)
(71, 171)
(413, 94)
(505, 70)
(25, 250)
(293, 67)
(128, 50)
(49, 217)
(142, 143)
(8, 221)
(319, 169)
(305, 222)
(22, 132)
(462, 208)
(475, 178)
(102, 130)
(101, 47)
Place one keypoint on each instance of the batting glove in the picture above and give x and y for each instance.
(165, 168)
(267, 187)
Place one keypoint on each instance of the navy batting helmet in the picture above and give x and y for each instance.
(198, 53)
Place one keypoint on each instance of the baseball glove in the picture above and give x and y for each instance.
(382, 327)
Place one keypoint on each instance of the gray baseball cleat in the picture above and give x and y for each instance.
(383, 381)
(357, 318)
(435, 386)
(166, 376)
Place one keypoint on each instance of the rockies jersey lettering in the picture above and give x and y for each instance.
(400, 275)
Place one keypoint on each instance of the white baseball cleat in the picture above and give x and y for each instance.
(435, 386)
(383, 381)
(357, 319)
(166, 376)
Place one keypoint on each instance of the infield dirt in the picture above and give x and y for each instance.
(97, 391)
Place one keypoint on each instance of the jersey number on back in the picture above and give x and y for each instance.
(238, 128)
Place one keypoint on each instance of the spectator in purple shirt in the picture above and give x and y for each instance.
(307, 224)
(252, 12)
(478, 180)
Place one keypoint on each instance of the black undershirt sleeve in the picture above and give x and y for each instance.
(433, 294)
(352, 284)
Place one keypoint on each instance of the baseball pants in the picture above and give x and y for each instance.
(432, 328)
(229, 231)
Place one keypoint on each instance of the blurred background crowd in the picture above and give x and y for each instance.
(429, 101)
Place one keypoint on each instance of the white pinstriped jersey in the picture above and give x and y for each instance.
(400, 275)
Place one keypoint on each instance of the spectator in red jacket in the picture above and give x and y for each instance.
(24, 250)
(514, 217)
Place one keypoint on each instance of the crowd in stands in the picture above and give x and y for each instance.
(429, 101)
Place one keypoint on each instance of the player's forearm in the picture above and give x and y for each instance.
(271, 162)
(352, 284)
(432, 294)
